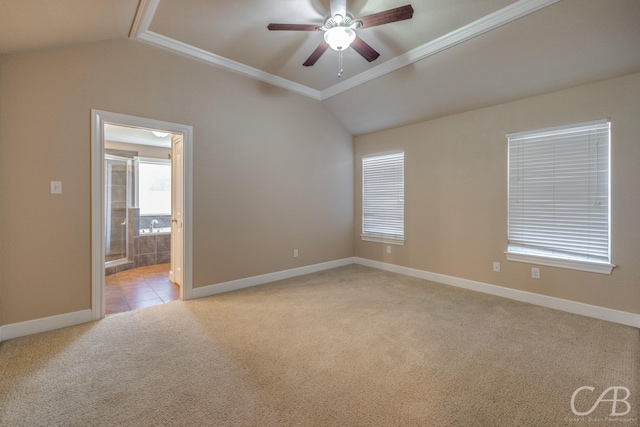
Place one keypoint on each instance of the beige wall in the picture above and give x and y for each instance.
(272, 170)
(456, 193)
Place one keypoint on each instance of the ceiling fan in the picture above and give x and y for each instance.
(340, 30)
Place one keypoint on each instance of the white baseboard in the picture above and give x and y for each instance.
(233, 285)
(35, 326)
(616, 316)
(29, 327)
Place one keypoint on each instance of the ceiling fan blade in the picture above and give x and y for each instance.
(316, 54)
(339, 7)
(392, 15)
(364, 49)
(292, 27)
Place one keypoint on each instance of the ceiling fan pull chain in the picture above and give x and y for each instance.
(340, 63)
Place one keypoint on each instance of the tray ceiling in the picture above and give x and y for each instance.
(452, 56)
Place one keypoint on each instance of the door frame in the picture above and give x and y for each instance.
(98, 120)
(177, 204)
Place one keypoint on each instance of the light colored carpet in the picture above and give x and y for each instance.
(352, 346)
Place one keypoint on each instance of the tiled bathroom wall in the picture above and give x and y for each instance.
(163, 221)
(145, 249)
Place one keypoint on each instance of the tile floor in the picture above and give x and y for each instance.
(139, 288)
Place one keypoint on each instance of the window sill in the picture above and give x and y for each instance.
(387, 240)
(590, 266)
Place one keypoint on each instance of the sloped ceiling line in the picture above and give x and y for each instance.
(146, 10)
(226, 63)
(143, 18)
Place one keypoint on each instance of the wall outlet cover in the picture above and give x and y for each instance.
(55, 187)
(535, 272)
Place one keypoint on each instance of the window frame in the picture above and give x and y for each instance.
(382, 237)
(551, 258)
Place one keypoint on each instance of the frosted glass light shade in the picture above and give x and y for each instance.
(339, 38)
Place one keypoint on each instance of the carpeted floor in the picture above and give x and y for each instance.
(352, 346)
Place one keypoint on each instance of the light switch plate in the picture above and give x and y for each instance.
(55, 187)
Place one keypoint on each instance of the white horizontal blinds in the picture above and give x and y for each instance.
(559, 191)
(383, 196)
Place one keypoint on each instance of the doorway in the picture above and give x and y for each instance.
(119, 218)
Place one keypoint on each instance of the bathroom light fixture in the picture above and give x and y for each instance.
(159, 134)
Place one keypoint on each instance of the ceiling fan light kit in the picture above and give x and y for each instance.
(339, 38)
(340, 30)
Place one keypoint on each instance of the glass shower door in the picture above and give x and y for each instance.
(117, 178)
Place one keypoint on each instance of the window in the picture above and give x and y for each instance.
(559, 197)
(154, 186)
(383, 198)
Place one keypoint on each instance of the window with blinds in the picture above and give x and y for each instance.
(559, 206)
(383, 198)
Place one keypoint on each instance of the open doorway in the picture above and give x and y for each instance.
(141, 200)
(139, 218)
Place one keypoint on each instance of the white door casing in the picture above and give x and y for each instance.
(98, 120)
(177, 202)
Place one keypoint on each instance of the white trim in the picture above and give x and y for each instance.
(616, 316)
(35, 326)
(572, 264)
(388, 240)
(247, 282)
(98, 119)
(97, 215)
(486, 23)
(227, 64)
(147, 9)
(536, 133)
(144, 16)
(29, 327)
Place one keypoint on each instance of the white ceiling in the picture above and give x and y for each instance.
(454, 55)
(131, 135)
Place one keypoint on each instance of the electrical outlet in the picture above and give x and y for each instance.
(535, 272)
(295, 253)
(55, 187)
(496, 267)
(388, 249)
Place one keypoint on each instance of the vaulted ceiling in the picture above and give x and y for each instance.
(452, 56)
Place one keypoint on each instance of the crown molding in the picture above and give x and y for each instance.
(226, 63)
(144, 16)
(146, 10)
